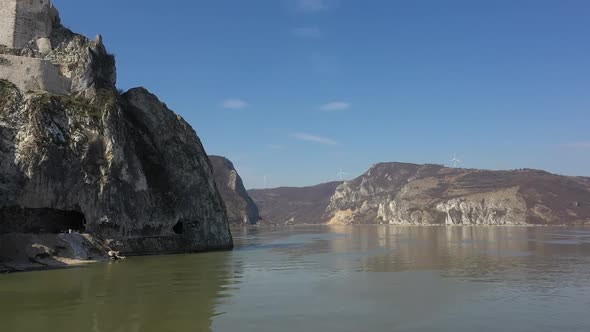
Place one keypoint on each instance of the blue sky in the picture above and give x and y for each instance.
(298, 89)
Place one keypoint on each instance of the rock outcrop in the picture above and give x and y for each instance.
(289, 205)
(399, 193)
(120, 168)
(241, 209)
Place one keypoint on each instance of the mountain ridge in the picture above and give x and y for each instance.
(408, 193)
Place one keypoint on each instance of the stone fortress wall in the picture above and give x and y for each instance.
(32, 74)
(34, 20)
(7, 22)
(28, 24)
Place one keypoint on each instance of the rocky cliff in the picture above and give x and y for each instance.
(241, 209)
(401, 193)
(289, 205)
(120, 167)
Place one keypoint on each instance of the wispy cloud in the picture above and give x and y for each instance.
(314, 138)
(307, 32)
(578, 145)
(335, 106)
(234, 104)
(316, 5)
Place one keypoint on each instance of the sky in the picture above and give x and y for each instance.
(297, 90)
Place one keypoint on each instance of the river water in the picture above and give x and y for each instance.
(324, 278)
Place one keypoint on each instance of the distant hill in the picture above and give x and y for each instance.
(289, 205)
(241, 210)
(403, 193)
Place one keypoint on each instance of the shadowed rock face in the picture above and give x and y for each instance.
(122, 169)
(241, 209)
(287, 205)
(127, 166)
(399, 193)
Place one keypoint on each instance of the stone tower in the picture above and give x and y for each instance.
(24, 21)
(38, 54)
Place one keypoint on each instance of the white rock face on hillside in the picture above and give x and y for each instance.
(400, 193)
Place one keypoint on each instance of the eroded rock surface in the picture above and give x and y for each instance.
(399, 193)
(241, 209)
(120, 170)
(126, 165)
(411, 194)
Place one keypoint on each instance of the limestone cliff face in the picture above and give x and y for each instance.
(241, 209)
(123, 167)
(84, 62)
(122, 170)
(398, 193)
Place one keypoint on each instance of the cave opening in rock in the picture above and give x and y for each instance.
(39, 221)
(178, 227)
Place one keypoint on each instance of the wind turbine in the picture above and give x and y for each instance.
(266, 178)
(341, 174)
(455, 161)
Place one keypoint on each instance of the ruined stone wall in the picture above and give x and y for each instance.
(7, 22)
(30, 74)
(34, 19)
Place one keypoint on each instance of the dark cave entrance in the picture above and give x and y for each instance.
(39, 221)
(178, 227)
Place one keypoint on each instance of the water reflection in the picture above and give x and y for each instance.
(475, 253)
(338, 278)
(325, 278)
(168, 293)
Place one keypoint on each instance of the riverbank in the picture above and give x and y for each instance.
(13, 267)
(28, 252)
(21, 252)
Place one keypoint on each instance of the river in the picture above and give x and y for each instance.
(324, 278)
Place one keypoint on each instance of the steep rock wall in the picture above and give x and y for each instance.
(241, 209)
(130, 166)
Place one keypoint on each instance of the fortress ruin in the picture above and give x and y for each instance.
(38, 54)
(23, 21)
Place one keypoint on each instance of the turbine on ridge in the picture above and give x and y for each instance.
(455, 161)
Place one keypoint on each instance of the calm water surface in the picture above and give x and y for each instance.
(366, 278)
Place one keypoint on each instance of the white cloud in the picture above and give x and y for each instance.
(234, 104)
(314, 138)
(315, 5)
(307, 32)
(335, 106)
(579, 145)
